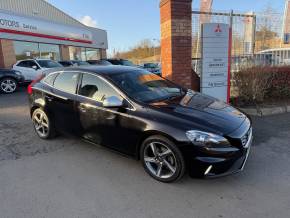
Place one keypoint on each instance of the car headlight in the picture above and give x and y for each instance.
(206, 139)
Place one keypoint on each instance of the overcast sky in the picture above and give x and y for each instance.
(129, 21)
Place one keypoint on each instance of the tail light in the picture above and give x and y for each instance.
(29, 88)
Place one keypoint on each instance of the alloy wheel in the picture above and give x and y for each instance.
(41, 123)
(160, 160)
(8, 85)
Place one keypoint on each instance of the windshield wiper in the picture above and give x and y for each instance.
(166, 98)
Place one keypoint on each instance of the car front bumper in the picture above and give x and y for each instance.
(20, 79)
(212, 163)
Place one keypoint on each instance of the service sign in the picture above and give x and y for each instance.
(18, 25)
(215, 60)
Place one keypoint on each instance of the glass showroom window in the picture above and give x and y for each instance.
(93, 54)
(26, 50)
(49, 51)
(77, 53)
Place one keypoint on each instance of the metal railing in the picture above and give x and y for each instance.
(252, 37)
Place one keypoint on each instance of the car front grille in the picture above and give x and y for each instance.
(245, 139)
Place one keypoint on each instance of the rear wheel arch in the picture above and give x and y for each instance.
(33, 108)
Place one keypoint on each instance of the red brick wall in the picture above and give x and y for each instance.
(64, 52)
(103, 53)
(176, 42)
(7, 53)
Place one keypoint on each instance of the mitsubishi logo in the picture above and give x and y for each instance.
(218, 29)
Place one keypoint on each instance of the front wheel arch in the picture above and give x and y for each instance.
(148, 134)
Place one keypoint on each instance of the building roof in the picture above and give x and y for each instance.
(273, 50)
(39, 8)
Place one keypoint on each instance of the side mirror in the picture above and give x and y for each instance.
(113, 102)
(34, 67)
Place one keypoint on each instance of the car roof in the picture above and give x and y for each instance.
(97, 69)
(36, 59)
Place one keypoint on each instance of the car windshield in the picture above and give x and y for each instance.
(151, 65)
(82, 63)
(48, 64)
(146, 87)
(127, 63)
(103, 62)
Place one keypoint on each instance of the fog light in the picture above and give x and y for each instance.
(208, 170)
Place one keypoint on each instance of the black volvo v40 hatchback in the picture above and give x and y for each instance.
(169, 128)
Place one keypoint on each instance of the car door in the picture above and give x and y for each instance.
(116, 128)
(22, 66)
(61, 102)
(35, 69)
(26, 68)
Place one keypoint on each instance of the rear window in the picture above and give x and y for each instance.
(67, 82)
(49, 79)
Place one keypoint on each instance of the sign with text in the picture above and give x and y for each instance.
(215, 60)
(22, 25)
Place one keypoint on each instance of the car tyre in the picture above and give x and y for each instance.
(43, 125)
(162, 159)
(8, 85)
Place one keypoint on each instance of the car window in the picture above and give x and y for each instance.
(115, 62)
(49, 79)
(22, 64)
(127, 63)
(145, 86)
(66, 81)
(48, 64)
(65, 63)
(96, 88)
(28, 64)
(82, 63)
(106, 63)
(151, 65)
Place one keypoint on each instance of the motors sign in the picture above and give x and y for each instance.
(215, 60)
(28, 26)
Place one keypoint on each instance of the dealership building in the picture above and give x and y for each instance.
(37, 29)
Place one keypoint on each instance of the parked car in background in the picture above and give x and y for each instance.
(31, 69)
(153, 68)
(73, 63)
(99, 62)
(121, 62)
(169, 128)
(10, 80)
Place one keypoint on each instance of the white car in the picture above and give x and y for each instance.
(31, 69)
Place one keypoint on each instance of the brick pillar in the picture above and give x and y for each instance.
(103, 53)
(64, 52)
(176, 42)
(7, 53)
